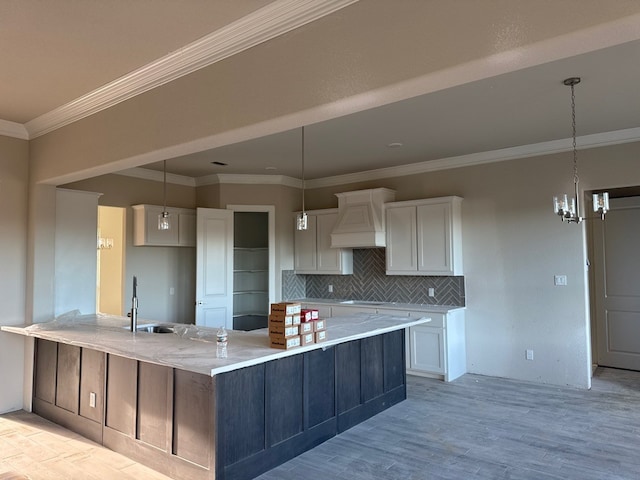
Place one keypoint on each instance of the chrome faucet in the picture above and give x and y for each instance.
(134, 306)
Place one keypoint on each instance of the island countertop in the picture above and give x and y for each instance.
(193, 348)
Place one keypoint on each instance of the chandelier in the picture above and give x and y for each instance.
(568, 208)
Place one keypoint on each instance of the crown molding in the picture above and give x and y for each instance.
(514, 153)
(13, 129)
(156, 176)
(275, 19)
(242, 179)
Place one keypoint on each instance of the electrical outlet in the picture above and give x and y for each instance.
(92, 400)
(529, 354)
(330, 288)
(172, 291)
(432, 292)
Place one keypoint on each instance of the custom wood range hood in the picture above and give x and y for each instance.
(361, 222)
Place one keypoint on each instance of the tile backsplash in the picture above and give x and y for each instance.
(369, 282)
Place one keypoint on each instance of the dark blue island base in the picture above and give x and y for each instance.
(232, 426)
(270, 413)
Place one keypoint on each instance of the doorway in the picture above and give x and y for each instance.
(616, 281)
(110, 260)
(253, 265)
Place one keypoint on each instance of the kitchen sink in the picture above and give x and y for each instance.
(153, 329)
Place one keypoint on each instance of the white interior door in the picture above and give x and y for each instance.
(214, 268)
(617, 276)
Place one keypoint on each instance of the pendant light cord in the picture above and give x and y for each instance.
(164, 187)
(573, 125)
(303, 211)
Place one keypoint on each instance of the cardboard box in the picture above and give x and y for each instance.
(280, 330)
(284, 320)
(286, 308)
(307, 339)
(314, 314)
(319, 325)
(321, 336)
(306, 328)
(305, 315)
(284, 343)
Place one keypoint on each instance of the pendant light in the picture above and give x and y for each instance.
(301, 219)
(164, 217)
(568, 208)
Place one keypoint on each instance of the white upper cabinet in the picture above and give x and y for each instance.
(313, 252)
(424, 237)
(145, 227)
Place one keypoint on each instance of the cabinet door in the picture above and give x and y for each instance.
(305, 245)
(153, 236)
(427, 349)
(434, 239)
(328, 259)
(401, 251)
(187, 229)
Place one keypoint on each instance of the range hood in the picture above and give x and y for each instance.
(361, 221)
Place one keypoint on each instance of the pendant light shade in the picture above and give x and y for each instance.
(301, 219)
(164, 218)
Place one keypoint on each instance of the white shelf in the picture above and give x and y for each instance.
(250, 281)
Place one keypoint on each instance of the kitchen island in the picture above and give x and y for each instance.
(165, 400)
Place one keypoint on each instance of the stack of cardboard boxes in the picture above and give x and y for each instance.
(290, 326)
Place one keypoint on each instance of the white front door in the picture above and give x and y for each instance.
(617, 279)
(214, 268)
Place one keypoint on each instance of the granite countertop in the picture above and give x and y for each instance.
(420, 307)
(193, 348)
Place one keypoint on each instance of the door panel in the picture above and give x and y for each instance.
(617, 295)
(214, 268)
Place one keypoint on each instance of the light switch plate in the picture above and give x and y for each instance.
(560, 280)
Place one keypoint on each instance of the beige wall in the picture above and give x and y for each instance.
(160, 268)
(14, 171)
(513, 246)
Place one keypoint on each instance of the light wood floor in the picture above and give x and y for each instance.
(473, 428)
(34, 448)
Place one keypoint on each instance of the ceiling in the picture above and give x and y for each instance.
(64, 59)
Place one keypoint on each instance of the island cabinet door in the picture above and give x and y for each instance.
(370, 376)
(67, 386)
(92, 384)
(240, 422)
(46, 366)
(283, 399)
(121, 394)
(154, 398)
(319, 389)
(192, 412)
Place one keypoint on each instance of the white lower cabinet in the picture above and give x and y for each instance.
(434, 349)
(439, 347)
(426, 349)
